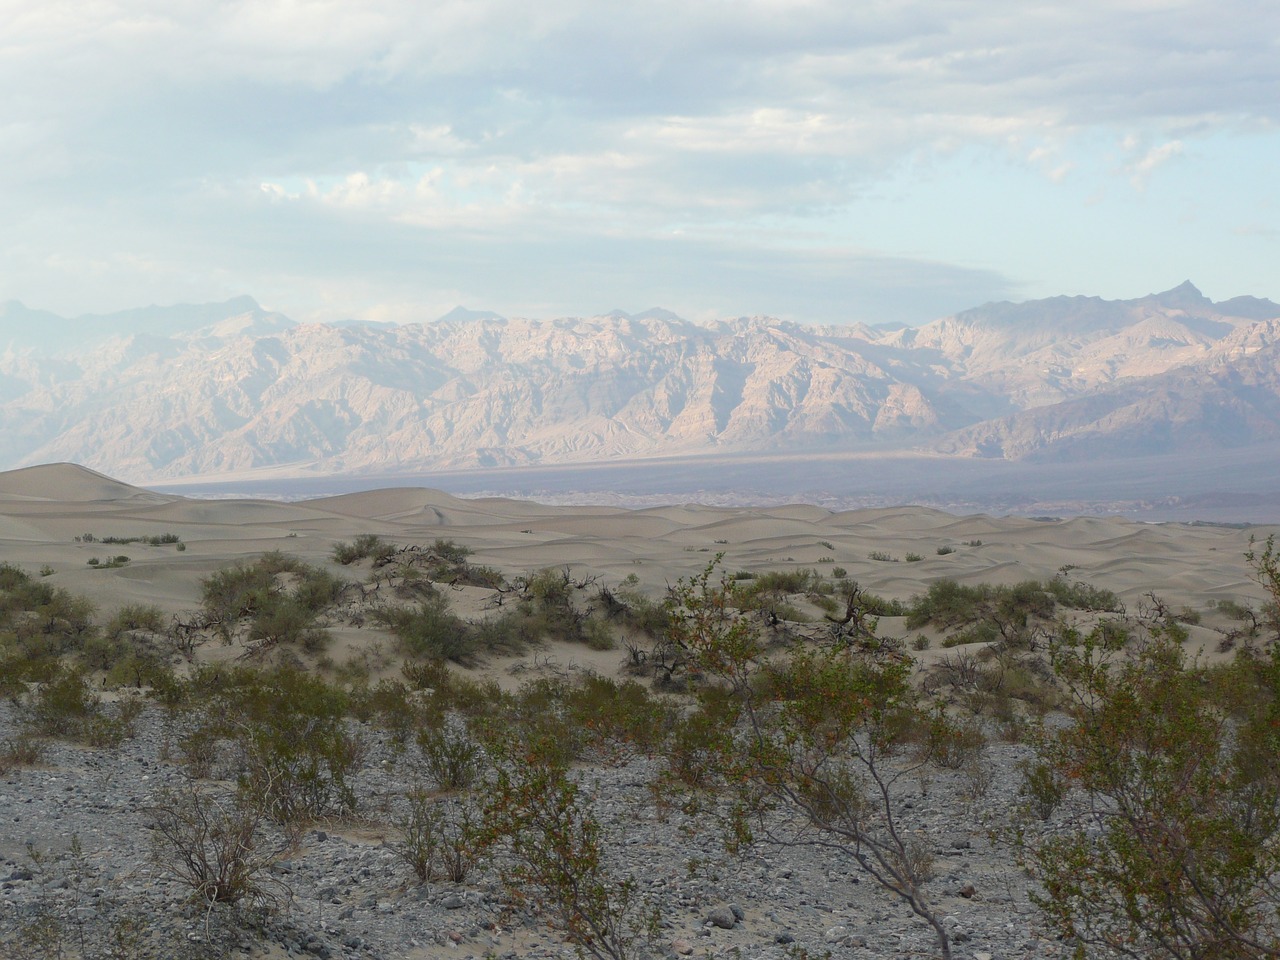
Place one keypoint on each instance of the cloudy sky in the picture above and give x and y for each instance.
(824, 161)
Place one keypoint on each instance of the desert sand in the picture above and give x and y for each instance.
(47, 511)
(48, 514)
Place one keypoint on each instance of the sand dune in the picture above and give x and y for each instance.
(69, 482)
(44, 509)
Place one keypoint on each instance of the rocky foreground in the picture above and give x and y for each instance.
(77, 873)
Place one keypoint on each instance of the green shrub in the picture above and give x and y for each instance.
(615, 717)
(133, 617)
(438, 837)
(367, 545)
(451, 756)
(260, 592)
(296, 753)
(1044, 787)
(19, 751)
(557, 859)
(1173, 852)
(952, 743)
(62, 706)
(1077, 595)
(429, 631)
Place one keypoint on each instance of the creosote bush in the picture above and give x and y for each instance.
(558, 863)
(815, 741)
(365, 546)
(217, 846)
(296, 753)
(278, 596)
(439, 837)
(1174, 849)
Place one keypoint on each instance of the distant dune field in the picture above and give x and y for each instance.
(43, 510)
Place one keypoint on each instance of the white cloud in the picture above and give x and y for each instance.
(762, 118)
(1141, 167)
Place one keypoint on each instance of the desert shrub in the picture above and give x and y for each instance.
(40, 620)
(135, 617)
(947, 603)
(365, 546)
(392, 705)
(780, 582)
(197, 743)
(913, 557)
(296, 755)
(1233, 610)
(438, 837)
(548, 599)
(20, 751)
(237, 591)
(985, 613)
(950, 743)
(429, 631)
(881, 556)
(63, 706)
(451, 551)
(597, 635)
(285, 621)
(642, 614)
(281, 610)
(316, 590)
(531, 726)
(839, 572)
(878, 606)
(696, 746)
(216, 846)
(807, 761)
(557, 860)
(1077, 595)
(1173, 853)
(450, 755)
(616, 717)
(944, 550)
(982, 632)
(1188, 615)
(1044, 787)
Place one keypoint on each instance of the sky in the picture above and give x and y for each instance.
(826, 162)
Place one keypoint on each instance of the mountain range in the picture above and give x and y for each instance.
(172, 392)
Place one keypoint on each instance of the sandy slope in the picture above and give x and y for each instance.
(44, 509)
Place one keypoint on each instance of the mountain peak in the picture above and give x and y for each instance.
(1184, 295)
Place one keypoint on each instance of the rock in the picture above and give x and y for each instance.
(722, 917)
(967, 891)
(681, 947)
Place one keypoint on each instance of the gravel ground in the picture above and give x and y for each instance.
(76, 862)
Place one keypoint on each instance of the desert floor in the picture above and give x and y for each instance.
(46, 513)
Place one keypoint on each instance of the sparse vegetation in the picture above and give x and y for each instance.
(792, 722)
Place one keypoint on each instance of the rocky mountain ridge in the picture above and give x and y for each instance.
(201, 390)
